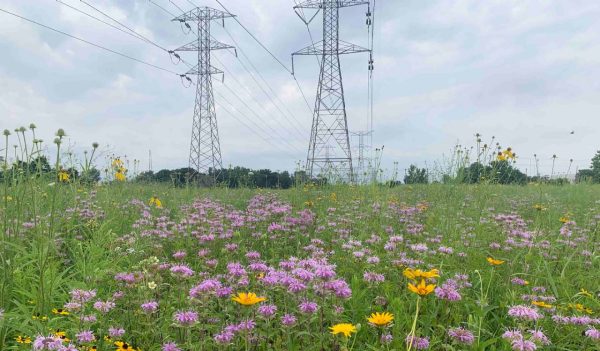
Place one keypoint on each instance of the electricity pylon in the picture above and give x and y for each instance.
(205, 150)
(330, 124)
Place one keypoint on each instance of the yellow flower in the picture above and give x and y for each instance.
(62, 335)
(63, 176)
(541, 304)
(415, 274)
(539, 207)
(155, 201)
(123, 346)
(60, 311)
(308, 203)
(23, 339)
(343, 328)
(152, 285)
(494, 262)
(422, 288)
(380, 319)
(38, 316)
(248, 299)
(117, 163)
(119, 176)
(585, 292)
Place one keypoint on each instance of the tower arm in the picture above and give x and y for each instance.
(318, 4)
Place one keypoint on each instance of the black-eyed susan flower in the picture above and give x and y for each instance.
(60, 311)
(23, 339)
(123, 346)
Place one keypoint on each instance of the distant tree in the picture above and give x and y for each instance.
(503, 172)
(584, 176)
(416, 175)
(164, 175)
(90, 176)
(147, 176)
(596, 167)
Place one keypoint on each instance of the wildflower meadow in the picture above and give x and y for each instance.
(117, 265)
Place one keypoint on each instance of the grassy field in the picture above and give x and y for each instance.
(458, 268)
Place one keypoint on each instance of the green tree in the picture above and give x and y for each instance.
(416, 175)
(596, 168)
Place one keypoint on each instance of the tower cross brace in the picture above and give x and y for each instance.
(329, 138)
(205, 149)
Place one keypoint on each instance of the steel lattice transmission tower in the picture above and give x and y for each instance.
(205, 150)
(330, 124)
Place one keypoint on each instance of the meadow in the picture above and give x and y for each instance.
(148, 267)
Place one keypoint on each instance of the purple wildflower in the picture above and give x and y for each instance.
(524, 312)
(150, 306)
(308, 307)
(288, 320)
(461, 335)
(185, 318)
(47, 343)
(418, 343)
(267, 311)
(85, 336)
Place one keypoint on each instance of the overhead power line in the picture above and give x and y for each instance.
(124, 26)
(293, 118)
(89, 42)
(98, 19)
(256, 39)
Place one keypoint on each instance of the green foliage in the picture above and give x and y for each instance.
(236, 177)
(496, 172)
(416, 175)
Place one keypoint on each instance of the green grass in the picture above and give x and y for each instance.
(63, 251)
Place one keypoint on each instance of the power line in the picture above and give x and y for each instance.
(276, 146)
(257, 115)
(125, 26)
(266, 83)
(256, 39)
(249, 92)
(89, 42)
(98, 19)
(162, 8)
(174, 4)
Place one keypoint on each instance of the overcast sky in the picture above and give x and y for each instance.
(524, 71)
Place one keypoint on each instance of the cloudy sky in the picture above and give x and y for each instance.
(522, 71)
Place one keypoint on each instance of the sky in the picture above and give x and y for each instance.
(523, 73)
